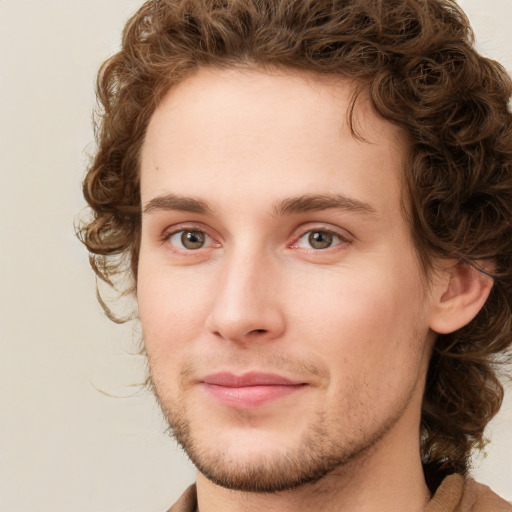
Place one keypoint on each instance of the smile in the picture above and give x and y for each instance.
(250, 390)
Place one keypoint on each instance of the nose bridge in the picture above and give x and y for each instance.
(240, 272)
(245, 304)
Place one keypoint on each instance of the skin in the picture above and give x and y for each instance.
(351, 322)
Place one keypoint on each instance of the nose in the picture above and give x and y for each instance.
(246, 305)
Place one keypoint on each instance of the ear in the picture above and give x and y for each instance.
(458, 297)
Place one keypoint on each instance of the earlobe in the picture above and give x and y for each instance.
(462, 295)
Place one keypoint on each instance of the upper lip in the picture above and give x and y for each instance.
(232, 380)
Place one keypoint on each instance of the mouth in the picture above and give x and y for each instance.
(249, 390)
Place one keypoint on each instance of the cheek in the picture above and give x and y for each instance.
(369, 325)
(171, 307)
(169, 312)
(374, 353)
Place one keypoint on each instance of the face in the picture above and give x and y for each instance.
(284, 311)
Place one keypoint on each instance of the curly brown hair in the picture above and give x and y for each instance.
(417, 61)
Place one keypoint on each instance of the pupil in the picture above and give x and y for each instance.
(320, 240)
(192, 239)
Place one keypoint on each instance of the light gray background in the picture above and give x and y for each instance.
(64, 446)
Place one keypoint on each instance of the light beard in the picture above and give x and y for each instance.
(318, 453)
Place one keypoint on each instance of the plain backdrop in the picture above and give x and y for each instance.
(65, 445)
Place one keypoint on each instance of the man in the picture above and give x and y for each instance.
(315, 201)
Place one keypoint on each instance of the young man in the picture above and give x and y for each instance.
(315, 200)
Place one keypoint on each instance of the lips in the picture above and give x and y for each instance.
(248, 380)
(249, 390)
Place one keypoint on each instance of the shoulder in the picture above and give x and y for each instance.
(187, 501)
(459, 494)
(483, 498)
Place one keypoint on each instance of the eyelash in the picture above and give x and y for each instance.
(168, 235)
(341, 240)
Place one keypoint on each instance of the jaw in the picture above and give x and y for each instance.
(275, 448)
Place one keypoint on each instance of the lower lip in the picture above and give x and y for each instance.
(250, 397)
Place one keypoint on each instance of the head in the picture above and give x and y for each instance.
(408, 89)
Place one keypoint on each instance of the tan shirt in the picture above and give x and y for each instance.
(455, 494)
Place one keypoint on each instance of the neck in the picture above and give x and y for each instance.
(388, 477)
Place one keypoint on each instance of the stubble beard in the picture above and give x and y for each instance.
(318, 454)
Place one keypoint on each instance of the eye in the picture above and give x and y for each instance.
(319, 239)
(189, 239)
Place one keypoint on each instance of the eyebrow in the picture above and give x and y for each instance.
(177, 203)
(317, 202)
(289, 206)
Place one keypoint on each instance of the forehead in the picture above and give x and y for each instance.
(271, 133)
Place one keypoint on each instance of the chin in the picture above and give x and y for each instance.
(265, 461)
(265, 470)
